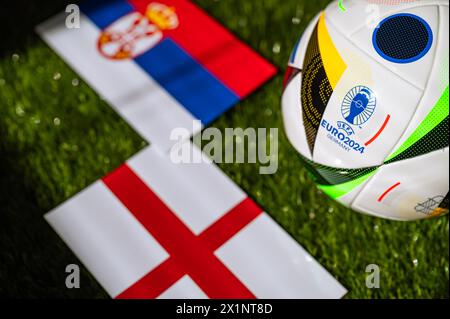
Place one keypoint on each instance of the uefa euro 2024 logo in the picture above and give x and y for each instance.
(357, 108)
(358, 105)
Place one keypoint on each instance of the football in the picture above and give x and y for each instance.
(365, 104)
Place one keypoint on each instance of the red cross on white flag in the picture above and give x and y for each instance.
(153, 228)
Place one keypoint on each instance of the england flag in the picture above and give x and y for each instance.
(155, 229)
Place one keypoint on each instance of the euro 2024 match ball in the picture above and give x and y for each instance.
(366, 103)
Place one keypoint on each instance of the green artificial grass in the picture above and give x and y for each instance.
(57, 136)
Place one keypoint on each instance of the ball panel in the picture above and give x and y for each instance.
(290, 101)
(408, 189)
(348, 198)
(374, 103)
(316, 88)
(346, 192)
(430, 135)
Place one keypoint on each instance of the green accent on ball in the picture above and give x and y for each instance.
(434, 118)
(339, 190)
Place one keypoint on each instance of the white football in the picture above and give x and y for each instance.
(365, 104)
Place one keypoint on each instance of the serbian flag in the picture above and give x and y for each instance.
(155, 229)
(161, 64)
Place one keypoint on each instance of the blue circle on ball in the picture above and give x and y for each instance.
(402, 38)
